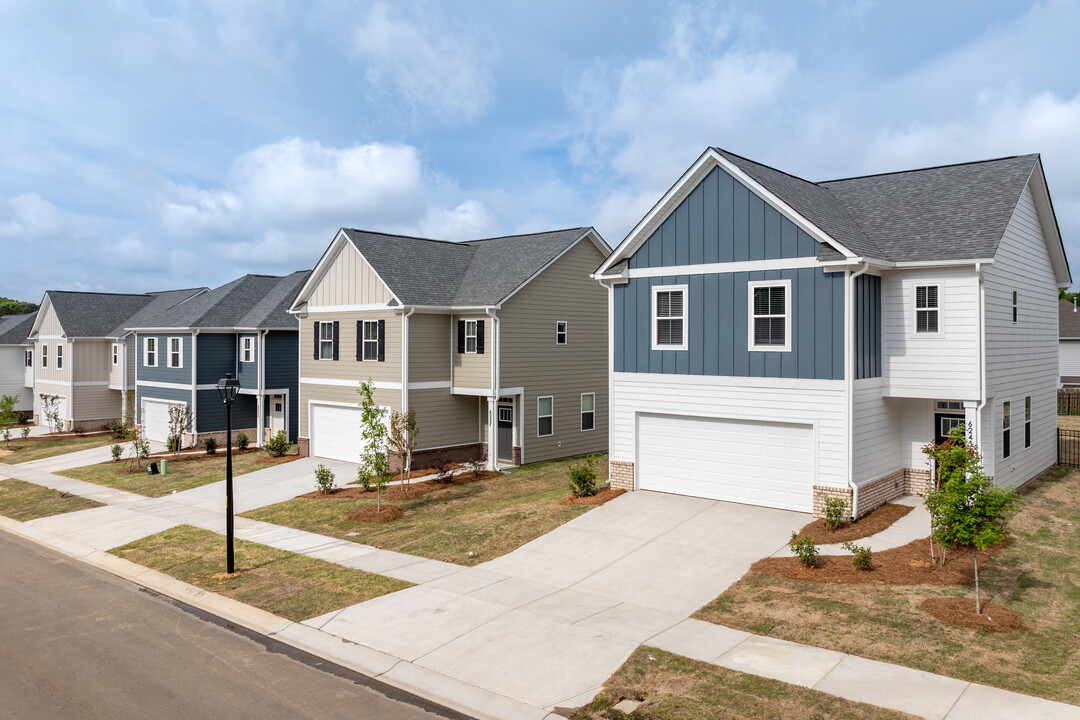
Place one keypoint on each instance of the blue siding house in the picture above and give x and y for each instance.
(242, 328)
(776, 341)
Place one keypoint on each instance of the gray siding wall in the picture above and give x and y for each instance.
(163, 373)
(248, 372)
(721, 220)
(717, 318)
(282, 371)
(867, 327)
(210, 414)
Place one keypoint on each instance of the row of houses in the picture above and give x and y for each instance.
(757, 337)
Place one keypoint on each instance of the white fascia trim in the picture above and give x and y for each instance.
(478, 392)
(709, 381)
(1044, 206)
(511, 391)
(350, 308)
(49, 337)
(90, 383)
(429, 385)
(729, 267)
(168, 385)
(319, 271)
(335, 382)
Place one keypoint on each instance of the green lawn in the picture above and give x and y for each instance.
(24, 501)
(191, 472)
(678, 688)
(1037, 576)
(284, 583)
(20, 451)
(488, 518)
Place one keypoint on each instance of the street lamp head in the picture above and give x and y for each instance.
(227, 388)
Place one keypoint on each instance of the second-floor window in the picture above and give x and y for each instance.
(30, 358)
(470, 336)
(247, 349)
(59, 357)
(770, 315)
(326, 340)
(115, 354)
(371, 340)
(150, 352)
(176, 352)
(926, 308)
(669, 317)
(1014, 307)
(560, 332)
(44, 355)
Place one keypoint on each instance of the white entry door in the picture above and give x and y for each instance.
(277, 414)
(758, 463)
(155, 420)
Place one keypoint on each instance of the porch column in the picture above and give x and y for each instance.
(260, 423)
(972, 422)
(493, 433)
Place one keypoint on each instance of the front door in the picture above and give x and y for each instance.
(943, 423)
(277, 414)
(506, 433)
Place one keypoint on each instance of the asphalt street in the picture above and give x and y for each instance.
(77, 642)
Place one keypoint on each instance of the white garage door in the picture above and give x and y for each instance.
(759, 463)
(61, 410)
(155, 417)
(335, 432)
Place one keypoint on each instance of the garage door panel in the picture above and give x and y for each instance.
(761, 463)
(155, 417)
(335, 432)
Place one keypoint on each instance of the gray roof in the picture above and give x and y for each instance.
(15, 328)
(105, 315)
(420, 271)
(1068, 321)
(252, 301)
(951, 212)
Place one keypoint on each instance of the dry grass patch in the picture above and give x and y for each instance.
(284, 583)
(24, 501)
(184, 472)
(19, 450)
(1037, 577)
(678, 688)
(465, 524)
(1068, 422)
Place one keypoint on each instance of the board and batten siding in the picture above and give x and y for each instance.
(349, 280)
(472, 370)
(51, 373)
(13, 377)
(941, 365)
(867, 306)
(1022, 358)
(93, 359)
(820, 403)
(444, 420)
(431, 343)
(875, 432)
(116, 372)
(531, 359)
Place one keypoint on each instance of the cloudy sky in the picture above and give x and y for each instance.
(148, 145)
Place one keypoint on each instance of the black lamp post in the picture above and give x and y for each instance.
(227, 388)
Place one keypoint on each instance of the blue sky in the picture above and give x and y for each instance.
(176, 144)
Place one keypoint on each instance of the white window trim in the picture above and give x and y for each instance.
(29, 357)
(750, 287)
(115, 354)
(1015, 307)
(915, 309)
(329, 340)
(1027, 422)
(475, 334)
(364, 341)
(146, 352)
(685, 311)
(44, 355)
(169, 353)
(565, 332)
(592, 412)
(539, 416)
(59, 356)
(1005, 429)
(247, 349)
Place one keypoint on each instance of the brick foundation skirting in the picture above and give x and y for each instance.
(434, 458)
(93, 425)
(621, 474)
(199, 440)
(303, 445)
(875, 493)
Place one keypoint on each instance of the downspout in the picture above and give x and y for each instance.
(493, 409)
(260, 406)
(405, 360)
(194, 386)
(977, 430)
(849, 372)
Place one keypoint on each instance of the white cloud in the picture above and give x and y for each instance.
(425, 67)
(468, 221)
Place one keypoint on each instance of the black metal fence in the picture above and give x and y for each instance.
(1069, 401)
(1068, 449)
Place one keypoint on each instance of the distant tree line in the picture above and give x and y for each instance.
(16, 307)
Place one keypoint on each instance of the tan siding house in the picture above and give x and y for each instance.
(452, 330)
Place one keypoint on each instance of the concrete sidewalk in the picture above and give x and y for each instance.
(77, 459)
(913, 526)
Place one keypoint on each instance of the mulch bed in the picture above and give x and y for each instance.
(417, 473)
(371, 514)
(906, 565)
(402, 492)
(871, 524)
(601, 497)
(960, 611)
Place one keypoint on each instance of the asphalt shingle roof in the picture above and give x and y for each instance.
(1068, 321)
(94, 315)
(252, 301)
(477, 272)
(15, 328)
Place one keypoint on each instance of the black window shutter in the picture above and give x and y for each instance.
(336, 339)
(479, 337)
(460, 336)
(316, 340)
(359, 339)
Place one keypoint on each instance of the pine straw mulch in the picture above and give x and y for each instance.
(599, 498)
(870, 524)
(423, 472)
(906, 565)
(960, 611)
(371, 514)
(402, 492)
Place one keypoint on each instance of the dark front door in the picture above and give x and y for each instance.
(506, 433)
(943, 423)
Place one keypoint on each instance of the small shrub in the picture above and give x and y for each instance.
(862, 557)
(834, 512)
(142, 448)
(324, 479)
(117, 451)
(364, 478)
(476, 467)
(172, 443)
(21, 418)
(445, 473)
(278, 445)
(211, 445)
(583, 477)
(25, 433)
(119, 431)
(805, 549)
(242, 441)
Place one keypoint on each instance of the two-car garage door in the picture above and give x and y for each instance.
(759, 463)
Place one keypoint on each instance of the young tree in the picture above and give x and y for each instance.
(375, 462)
(179, 423)
(966, 508)
(402, 438)
(8, 416)
(50, 408)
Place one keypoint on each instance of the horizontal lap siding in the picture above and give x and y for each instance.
(430, 345)
(444, 419)
(280, 366)
(347, 367)
(821, 403)
(51, 373)
(876, 432)
(312, 393)
(210, 414)
(97, 402)
(116, 372)
(916, 430)
(174, 395)
(13, 377)
(247, 372)
(1022, 359)
(217, 357)
(162, 372)
(473, 370)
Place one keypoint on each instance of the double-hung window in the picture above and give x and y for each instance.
(926, 308)
(30, 358)
(669, 317)
(470, 336)
(770, 315)
(150, 352)
(176, 353)
(1006, 429)
(247, 349)
(588, 411)
(59, 357)
(1014, 307)
(1027, 421)
(115, 354)
(545, 416)
(371, 340)
(560, 332)
(44, 355)
(326, 340)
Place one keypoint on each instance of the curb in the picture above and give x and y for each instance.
(397, 673)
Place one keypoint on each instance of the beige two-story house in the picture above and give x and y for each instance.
(499, 345)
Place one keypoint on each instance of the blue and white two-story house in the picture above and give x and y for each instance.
(776, 341)
(242, 328)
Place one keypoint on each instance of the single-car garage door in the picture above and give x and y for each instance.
(759, 463)
(155, 417)
(335, 432)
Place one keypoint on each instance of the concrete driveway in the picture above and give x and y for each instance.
(550, 622)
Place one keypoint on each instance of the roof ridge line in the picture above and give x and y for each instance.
(405, 237)
(770, 167)
(517, 235)
(924, 169)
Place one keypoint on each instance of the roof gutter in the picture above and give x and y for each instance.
(849, 372)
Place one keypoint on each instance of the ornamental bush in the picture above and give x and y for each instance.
(862, 558)
(583, 477)
(805, 549)
(242, 441)
(324, 479)
(211, 445)
(834, 512)
(117, 451)
(278, 445)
